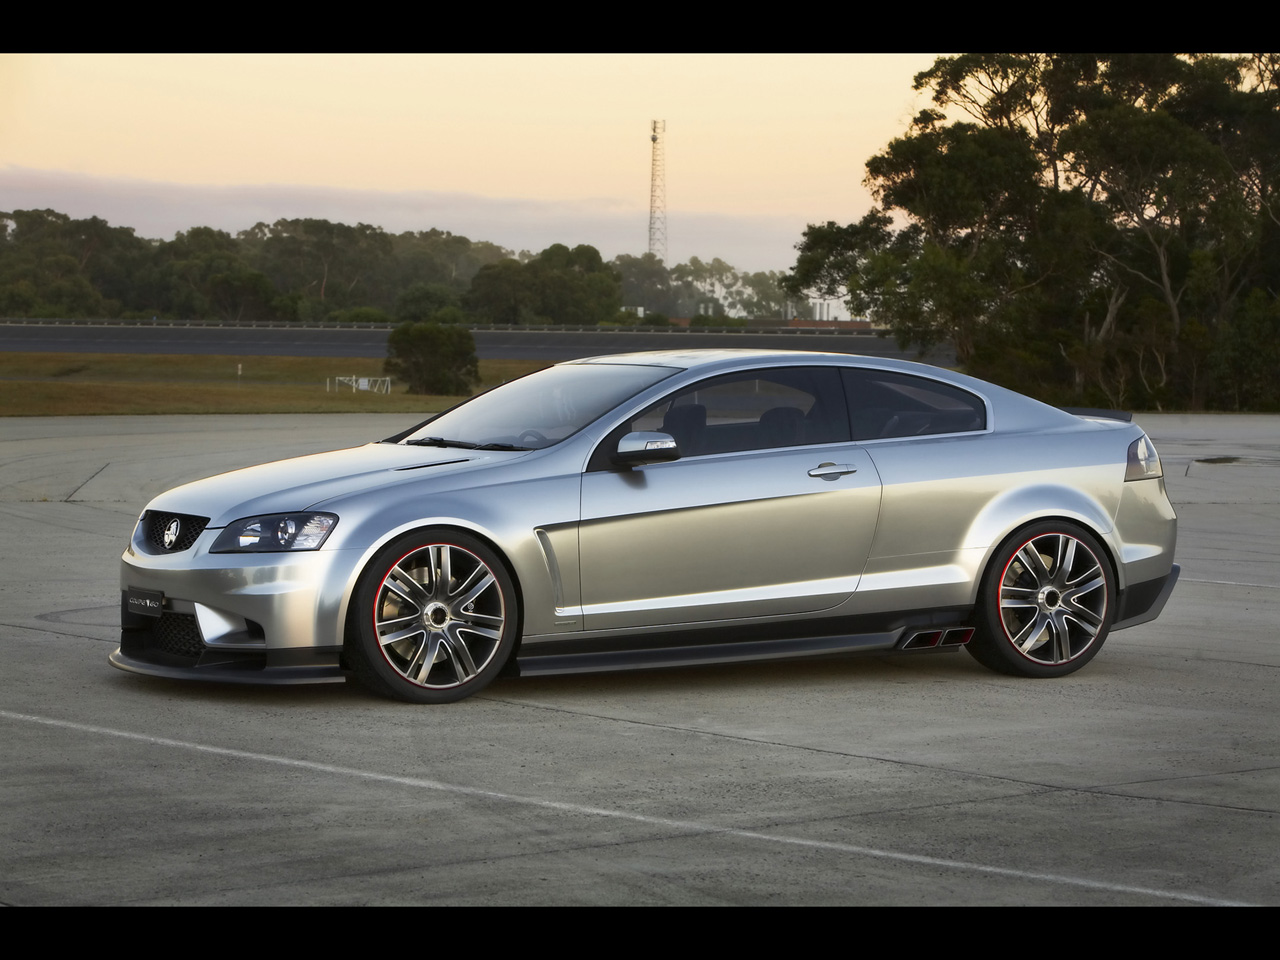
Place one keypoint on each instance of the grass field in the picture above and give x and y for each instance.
(64, 384)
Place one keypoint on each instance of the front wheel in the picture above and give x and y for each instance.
(1046, 603)
(434, 618)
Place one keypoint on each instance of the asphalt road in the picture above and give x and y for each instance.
(1150, 777)
(297, 341)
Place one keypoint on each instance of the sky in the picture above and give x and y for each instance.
(519, 150)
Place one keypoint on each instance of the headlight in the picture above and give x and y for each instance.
(275, 533)
(1144, 462)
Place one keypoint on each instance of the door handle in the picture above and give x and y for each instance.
(829, 471)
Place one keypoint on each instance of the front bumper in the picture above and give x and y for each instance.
(241, 618)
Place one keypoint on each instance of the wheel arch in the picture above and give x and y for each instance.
(360, 567)
(997, 548)
(1046, 618)
(1014, 511)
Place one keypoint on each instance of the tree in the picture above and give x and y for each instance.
(333, 265)
(208, 278)
(709, 283)
(559, 285)
(371, 315)
(645, 283)
(1090, 229)
(54, 266)
(433, 358)
(501, 293)
(419, 301)
(759, 294)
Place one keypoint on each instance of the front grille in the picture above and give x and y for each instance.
(177, 634)
(154, 524)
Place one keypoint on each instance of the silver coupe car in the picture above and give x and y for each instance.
(656, 509)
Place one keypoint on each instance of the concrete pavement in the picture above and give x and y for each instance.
(1150, 777)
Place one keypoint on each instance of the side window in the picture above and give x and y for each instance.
(759, 410)
(883, 404)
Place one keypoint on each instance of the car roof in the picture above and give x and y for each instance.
(708, 360)
(713, 357)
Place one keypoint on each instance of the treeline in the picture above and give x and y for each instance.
(307, 270)
(1086, 229)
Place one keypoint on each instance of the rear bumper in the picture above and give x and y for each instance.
(1142, 602)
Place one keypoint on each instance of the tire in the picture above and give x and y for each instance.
(434, 619)
(1046, 603)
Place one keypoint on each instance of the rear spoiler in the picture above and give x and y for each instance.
(1098, 413)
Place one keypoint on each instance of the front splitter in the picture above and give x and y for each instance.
(255, 671)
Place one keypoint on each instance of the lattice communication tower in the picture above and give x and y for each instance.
(658, 194)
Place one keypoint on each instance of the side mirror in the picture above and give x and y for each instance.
(637, 449)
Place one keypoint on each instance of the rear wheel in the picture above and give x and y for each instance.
(1046, 603)
(434, 618)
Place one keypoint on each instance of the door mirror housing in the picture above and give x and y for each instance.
(637, 449)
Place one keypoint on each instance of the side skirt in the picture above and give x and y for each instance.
(730, 644)
(700, 654)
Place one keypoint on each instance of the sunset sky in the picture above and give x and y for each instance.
(522, 150)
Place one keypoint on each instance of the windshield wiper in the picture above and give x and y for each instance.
(441, 442)
(501, 446)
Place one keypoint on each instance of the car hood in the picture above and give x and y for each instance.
(288, 486)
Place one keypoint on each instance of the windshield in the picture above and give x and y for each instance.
(540, 409)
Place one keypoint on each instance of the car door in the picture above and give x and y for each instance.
(770, 510)
(940, 467)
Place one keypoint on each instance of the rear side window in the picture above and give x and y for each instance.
(883, 404)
